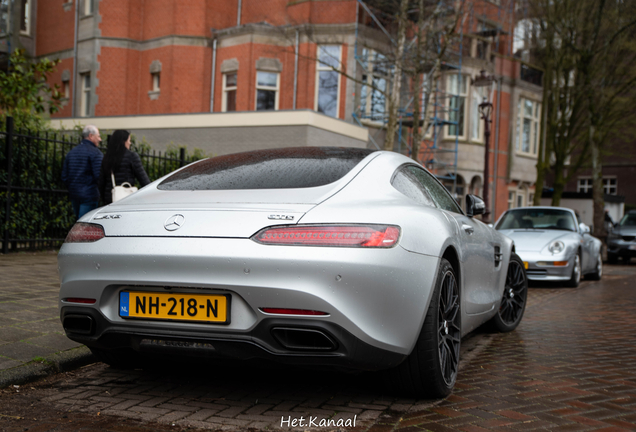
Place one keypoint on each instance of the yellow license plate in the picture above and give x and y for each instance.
(525, 264)
(172, 306)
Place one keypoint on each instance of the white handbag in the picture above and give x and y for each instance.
(122, 191)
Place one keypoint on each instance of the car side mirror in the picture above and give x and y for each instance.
(584, 228)
(474, 205)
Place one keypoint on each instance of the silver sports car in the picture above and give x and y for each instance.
(552, 245)
(334, 257)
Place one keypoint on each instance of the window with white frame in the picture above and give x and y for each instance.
(610, 185)
(531, 199)
(528, 120)
(25, 16)
(373, 95)
(229, 92)
(584, 185)
(476, 123)
(457, 91)
(267, 84)
(85, 104)
(511, 199)
(328, 80)
(520, 199)
(88, 7)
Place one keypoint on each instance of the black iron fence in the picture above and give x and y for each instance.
(36, 212)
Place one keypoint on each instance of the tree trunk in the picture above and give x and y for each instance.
(559, 183)
(597, 187)
(394, 97)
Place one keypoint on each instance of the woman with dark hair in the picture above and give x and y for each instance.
(123, 163)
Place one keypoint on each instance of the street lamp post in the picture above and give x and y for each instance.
(485, 109)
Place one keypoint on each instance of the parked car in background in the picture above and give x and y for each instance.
(314, 256)
(621, 240)
(552, 244)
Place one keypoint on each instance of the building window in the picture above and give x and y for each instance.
(328, 80)
(476, 123)
(88, 7)
(85, 105)
(528, 116)
(530, 199)
(156, 81)
(609, 186)
(267, 84)
(511, 199)
(25, 16)
(457, 90)
(66, 89)
(373, 95)
(4, 17)
(584, 185)
(229, 92)
(519, 200)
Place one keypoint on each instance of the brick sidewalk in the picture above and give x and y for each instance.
(571, 365)
(30, 326)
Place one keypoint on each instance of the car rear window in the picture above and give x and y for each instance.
(286, 168)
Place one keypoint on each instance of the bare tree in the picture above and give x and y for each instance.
(417, 33)
(589, 58)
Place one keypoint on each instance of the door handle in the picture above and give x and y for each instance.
(468, 228)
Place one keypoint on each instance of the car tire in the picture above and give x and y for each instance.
(430, 371)
(575, 279)
(118, 358)
(598, 270)
(612, 258)
(514, 299)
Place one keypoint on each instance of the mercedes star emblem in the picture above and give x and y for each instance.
(174, 222)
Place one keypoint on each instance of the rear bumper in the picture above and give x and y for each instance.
(377, 296)
(335, 347)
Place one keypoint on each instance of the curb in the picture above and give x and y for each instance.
(59, 362)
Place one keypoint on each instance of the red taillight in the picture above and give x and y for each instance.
(282, 311)
(85, 233)
(79, 300)
(378, 236)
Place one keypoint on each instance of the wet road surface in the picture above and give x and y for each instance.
(571, 365)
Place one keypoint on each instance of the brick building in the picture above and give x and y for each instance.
(230, 75)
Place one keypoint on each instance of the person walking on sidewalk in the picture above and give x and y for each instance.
(81, 172)
(124, 164)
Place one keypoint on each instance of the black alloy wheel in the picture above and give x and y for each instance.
(448, 328)
(430, 371)
(513, 301)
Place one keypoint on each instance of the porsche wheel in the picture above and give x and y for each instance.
(431, 368)
(598, 270)
(576, 273)
(515, 295)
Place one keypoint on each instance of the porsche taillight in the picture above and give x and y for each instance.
(83, 232)
(362, 236)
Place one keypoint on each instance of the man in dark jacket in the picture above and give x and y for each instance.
(81, 172)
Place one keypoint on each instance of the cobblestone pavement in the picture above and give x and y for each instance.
(30, 326)
(571, 365)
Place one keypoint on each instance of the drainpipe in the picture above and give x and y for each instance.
(238, 14)
(73, 99)
(496, 152)
(212, 82)
(296, 70)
